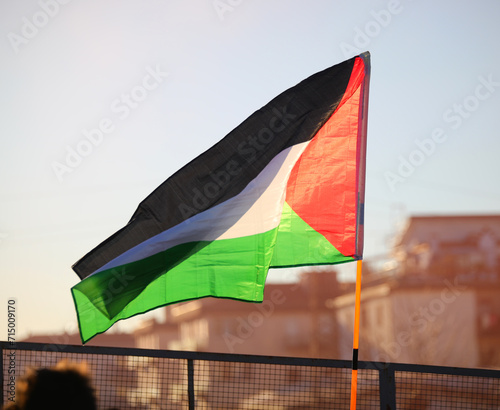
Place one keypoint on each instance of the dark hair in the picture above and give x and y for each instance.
(64, 387)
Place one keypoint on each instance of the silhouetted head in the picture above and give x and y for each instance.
(66, 386)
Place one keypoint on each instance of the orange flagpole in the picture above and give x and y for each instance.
(359, 232)
(355, 339)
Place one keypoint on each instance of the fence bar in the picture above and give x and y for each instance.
(190, 375)
(181, 354)
(387, 388)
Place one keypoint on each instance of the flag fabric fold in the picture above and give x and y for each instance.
(285, 188)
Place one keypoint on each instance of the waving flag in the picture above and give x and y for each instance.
(285, 188)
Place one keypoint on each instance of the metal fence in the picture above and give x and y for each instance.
(155, 379)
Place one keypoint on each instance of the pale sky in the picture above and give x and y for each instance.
(165, 80)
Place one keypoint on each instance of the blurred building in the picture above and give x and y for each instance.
(108, 339)
(437, 301)
(465, 246)
(151, 334)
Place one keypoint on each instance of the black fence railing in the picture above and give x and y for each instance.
(155, 379)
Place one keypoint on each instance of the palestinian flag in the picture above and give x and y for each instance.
(283, 189)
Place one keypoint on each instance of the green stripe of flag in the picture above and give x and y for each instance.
(218, 268)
